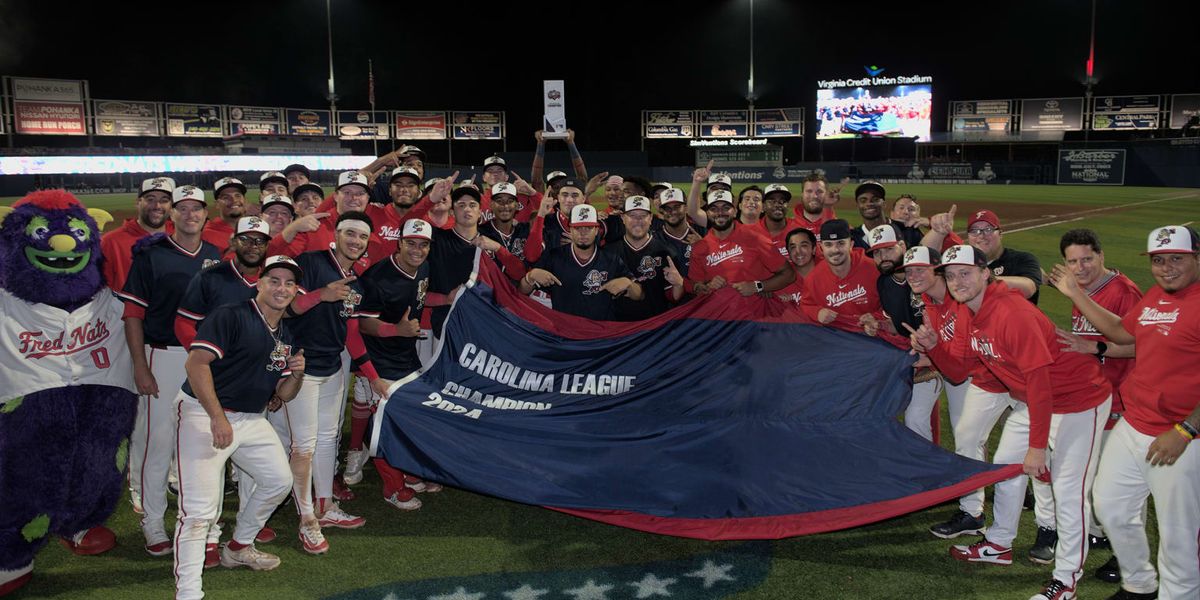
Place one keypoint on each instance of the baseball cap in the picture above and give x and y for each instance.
(252, 225)
(720, 196)
(672, 195)
(270, 176)
(883, 236)
(285, 262)
(963, 255)
(1173, 239)
(572, 182)
(411, 150)
(297, 168)
(720, 178)
(985, 216)
(346, 178)
(466, 190)
(405, 172)
(494, 161)
(637, 203)
(429, 183)
(584, 215)
(553, 175)
(225, 182)
(870, 185)
(834, 229)
(504, 188)
(417, 228)
(158, 184)
(273, 199)
(658, 187)
(188, 192)
(778, 187)
(309, 187)
(921, 256)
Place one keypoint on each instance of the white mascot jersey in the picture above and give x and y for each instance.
(44, 347)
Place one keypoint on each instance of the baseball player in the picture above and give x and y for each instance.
(870, 197)
(1016, 269)
(162, 267)
(495, 172)
(325, 325)
(580, 279)
(551, 228)
(306, 198)
(278, 211)
(539, 158)
(503, 226)
(840, 291)
(801, 246)
(734, 254)
(1054, 429)
(814, 207)
(749, 205)
(240, 363)
(394, 293)
(272, 182)
(906, 217)
(775, 221)
(1151, 451)
(703, 182)
(614, 194)
(230, 194)
(677, 232)
(297, 175)
(153, 213)
(647, 259)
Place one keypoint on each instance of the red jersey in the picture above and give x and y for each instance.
(117, 248)
(1160, 391)
(217, 232)
(941, 319)
(850, 297)
(1016, 342)
(387, 228)
(744, 255)
(526, 206)
(793, 292)
(1117, 294)
(779, 240)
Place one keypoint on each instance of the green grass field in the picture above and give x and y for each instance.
(488, 546)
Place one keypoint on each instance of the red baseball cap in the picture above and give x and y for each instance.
(985, 216)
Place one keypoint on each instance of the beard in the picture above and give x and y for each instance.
(714, 224)
(886, 267)
(262, 257)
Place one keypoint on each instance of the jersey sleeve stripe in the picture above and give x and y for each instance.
(211, 347)
(364, 314)
(127, 297)
(286, 373)
(189, 315)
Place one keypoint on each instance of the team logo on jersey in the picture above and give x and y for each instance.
(352, 300)
(594, 282)
(1153, 316)
(917, 304)
(422, 288)
(839, 298)
(208, 262)
(947, 328)
(717, 258)
(998, 271)
(279, 357)
(1082, 326)
(1163, 239)
(37, 344)
(648, 267)
(986, 348)
(517, 247)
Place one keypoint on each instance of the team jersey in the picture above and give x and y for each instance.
(117, 248)
(859, 235)
(48, 347)
(217, 232)
(514, 242)
(1160, 391)
(1118, 295)
(744, 255)
(553, 230)
(321, 330)
(899, 303)
(526, 206)
(793, 292)
(451, 261)
(1014, 339)
(911, 236)
(850, 297)
(582, 293)
(157, 280)
(778, 240)
(646, 263)
(215, 286)
(942, 318)
(1015, 263)
(251, 357)
(388, 292)
(682, 248)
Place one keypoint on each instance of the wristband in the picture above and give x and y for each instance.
(758, 286)
(1101, 348)
(1188, 428)
(1185, 433)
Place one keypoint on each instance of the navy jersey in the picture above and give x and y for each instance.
(556, 230)
(1016, 263)
(215, 286)
(251, 358)
(451, 261)
(321, 331)
(581, 292)
(387, 292)
(513, 242)
(911, 236)
(646, 264)
(900, 303)
(160, 274)
(682, 248)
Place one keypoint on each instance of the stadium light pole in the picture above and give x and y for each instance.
(332, 95)
(750, 97)
(1090, 77)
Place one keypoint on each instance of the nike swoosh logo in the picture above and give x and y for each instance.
(841, 286)
(1161, 302)
(990, 554)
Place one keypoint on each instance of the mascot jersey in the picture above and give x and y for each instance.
(43, 347)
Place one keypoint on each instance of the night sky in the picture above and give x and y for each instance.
(617, 57)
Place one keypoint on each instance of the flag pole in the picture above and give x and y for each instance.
(371, 100)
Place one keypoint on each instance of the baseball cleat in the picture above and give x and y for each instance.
(1055, 590)
(159, 548)
(415, 483)
(11, 585)
(982, 551)
(411, 504)
(212, 555)
(90, 542)
(248, 556)
(355, 459)
(1042, 551)
(1109, 572)
(432, 488)
(1098, 542)
(340, 491)
(960, 524)
(313, 540)
(265, 535)
(336, 517)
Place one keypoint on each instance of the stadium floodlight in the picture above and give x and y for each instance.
(79, 165)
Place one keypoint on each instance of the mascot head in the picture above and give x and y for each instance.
(50, 249)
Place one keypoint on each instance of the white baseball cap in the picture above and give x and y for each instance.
(429, 183)
(883, 236)
(720, 178)
(286, 262)
(1172, 239)
(272, 176)
(158, 184)
(778, 187)
(417, 228)
(225, 182)
(504, 188)
(720, 196)
(637, 203)
(188, 192)
(346, 178)
(963, 255)
(672, 195)
(493, 161)
(252, 225)
(273, 199)
(921, 256)
(584, 215)
(554, 175)
(405, 172)
(411, 150)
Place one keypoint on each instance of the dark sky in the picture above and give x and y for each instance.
(616, 57)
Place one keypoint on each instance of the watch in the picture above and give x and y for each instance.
(1101, 348)
(758, 286)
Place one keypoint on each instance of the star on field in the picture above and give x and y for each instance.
(711, 573)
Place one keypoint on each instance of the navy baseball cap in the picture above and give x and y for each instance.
(466, 190)
(835, 229)
(870, 185)
(572, 182)
(297, 168)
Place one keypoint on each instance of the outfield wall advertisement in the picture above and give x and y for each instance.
(48, 106)
(315, 123)
(1183, 108)
(362, 125)
(255, 120)
(478, 125)
(126, 118)
(420, 125)
(1091, 167)
(1126, 112)
(1052, 114)
(195, 120)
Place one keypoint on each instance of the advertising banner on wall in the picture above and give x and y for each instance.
(1183, 108)
(982, 107)
(302, 121)
(420, 125)
(255, 120)
(1104, 166)
(778, 122)
(478, 125)
(363, 125)
(724, 123)
(126, 118)
(34, 117)
(668, 124)
(1052, 114)
(194, 120)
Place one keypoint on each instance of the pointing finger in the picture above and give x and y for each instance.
(711, 162)
(909, 328)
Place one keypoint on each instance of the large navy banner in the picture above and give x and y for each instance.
(726, 418)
